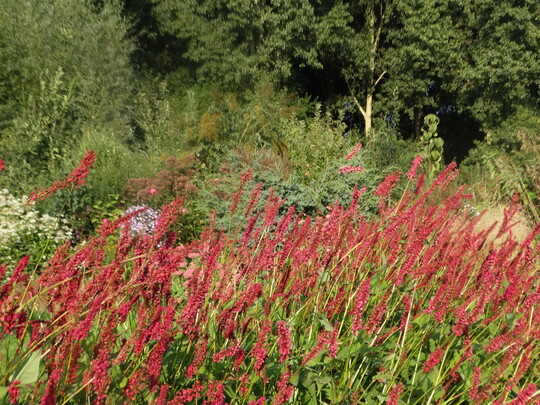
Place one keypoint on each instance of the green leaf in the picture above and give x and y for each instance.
(353, 351)
(327, 325)
(421, 320)
(28, 372)
(295, 378)
(322, 381)
(316, 360)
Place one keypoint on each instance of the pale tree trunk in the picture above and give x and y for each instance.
(367, 111)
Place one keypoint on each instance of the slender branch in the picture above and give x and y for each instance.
(355, 99)
(379, 79)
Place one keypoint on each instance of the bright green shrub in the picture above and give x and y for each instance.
(159, 123)
(313, 144)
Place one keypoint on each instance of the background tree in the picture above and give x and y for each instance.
(65, 72)
(502, 70)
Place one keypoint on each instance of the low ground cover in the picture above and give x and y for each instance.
(412, 306)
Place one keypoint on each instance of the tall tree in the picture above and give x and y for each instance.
(502, 72)
(65, 68)
(364, 70)
(234, 42)
(424, 54)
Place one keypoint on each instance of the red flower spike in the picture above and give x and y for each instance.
(525, 396)
(394, 394)
(433, 360)
(411, 174)
(353, 153)
(76, 179)
(285, 390)
(351, 169)
(14, 390)
(284, 341)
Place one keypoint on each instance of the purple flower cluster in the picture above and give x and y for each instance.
(143, 223)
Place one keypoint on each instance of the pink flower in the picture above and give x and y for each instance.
(411, 174)
(434, 359)
(75, 179)
(13, 391)
(387, 185)
(284, 341)
(394, 394)
(152, 191)
(285, 390)
(351, 169)
(525, 396)
(259, 352)
(2, 165)
(476, 384)
(353, 152)
(360, 301)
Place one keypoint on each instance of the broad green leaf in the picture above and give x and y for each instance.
(327, 325)
(28, 373)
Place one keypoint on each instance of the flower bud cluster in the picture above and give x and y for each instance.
(145, 222)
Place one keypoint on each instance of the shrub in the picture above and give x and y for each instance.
(413, 306)
(507, 160)
(176, 179)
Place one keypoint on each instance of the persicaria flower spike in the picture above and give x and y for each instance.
(14, 391)
(284, 341)
(433, 360)
(2, 165)
(351, 169)
(394, 394)
(76, 178)
(353, 152)
(411, 174)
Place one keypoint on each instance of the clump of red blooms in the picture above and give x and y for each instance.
(414, 305)
(175, 179)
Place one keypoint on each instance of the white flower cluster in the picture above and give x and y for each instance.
(20, 221)
(470, 209)
(143, 223)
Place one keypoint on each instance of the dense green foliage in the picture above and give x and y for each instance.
(162, 77)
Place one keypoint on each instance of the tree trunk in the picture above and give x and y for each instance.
(367, 115)
(374, 37)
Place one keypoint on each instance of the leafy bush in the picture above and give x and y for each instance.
(313, 144)
(159, 123)
(413, 306)
(216, 121)
(507, 160)
(177, 178)
(104, 191)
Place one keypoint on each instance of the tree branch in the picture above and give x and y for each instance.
(379, 79)
(362, 111)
